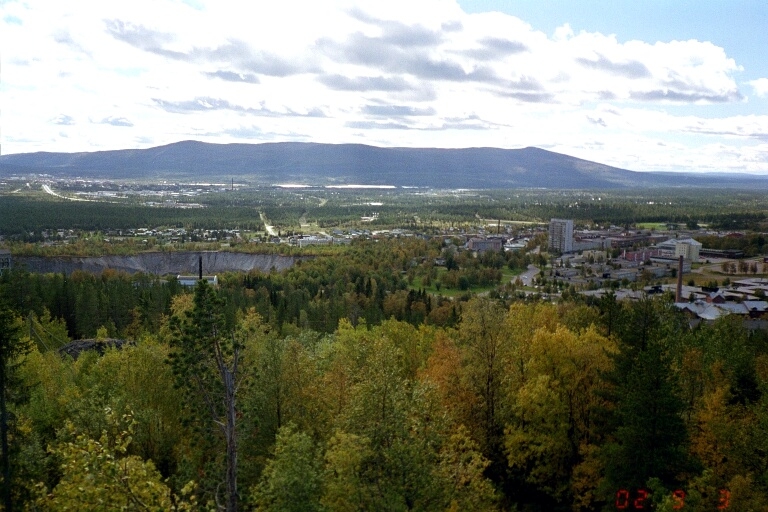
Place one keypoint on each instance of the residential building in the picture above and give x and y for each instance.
(561, 235)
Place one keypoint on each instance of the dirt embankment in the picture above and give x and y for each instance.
(160, 263)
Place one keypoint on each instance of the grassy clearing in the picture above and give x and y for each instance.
(652, 225)
(507, 275)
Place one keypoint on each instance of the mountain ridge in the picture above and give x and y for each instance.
(321, 164)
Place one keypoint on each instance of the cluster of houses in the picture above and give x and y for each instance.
(744, 297)
(752, 310)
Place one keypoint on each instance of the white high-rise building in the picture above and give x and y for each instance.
(688, 249)
(561, 235)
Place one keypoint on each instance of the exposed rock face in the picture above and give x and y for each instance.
(160, 263)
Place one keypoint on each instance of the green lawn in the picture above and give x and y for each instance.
(506, 276)
(652, 225)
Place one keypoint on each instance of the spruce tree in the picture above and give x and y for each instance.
(206, 365)
(645, 428)
(12, 346)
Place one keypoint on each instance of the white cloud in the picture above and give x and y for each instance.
(760, 86)
(387, 73)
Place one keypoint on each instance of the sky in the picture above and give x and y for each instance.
(656, 85)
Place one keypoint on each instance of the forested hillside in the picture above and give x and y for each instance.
(322, 164)
(334, 385)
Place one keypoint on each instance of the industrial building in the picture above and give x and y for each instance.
(485, 244)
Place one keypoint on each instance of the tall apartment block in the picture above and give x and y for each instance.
(561, 235)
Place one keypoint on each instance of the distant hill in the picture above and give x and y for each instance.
(340, 164)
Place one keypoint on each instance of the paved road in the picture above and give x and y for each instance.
(49, 190)
(269, 229)
(528, 275)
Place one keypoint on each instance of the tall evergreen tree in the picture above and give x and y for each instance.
(11, 348)
(646, 424)
(206, 364)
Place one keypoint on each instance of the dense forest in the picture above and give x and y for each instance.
(23, 217)
(340, 385)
